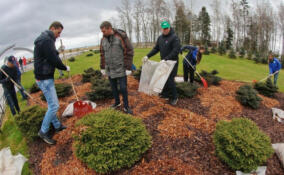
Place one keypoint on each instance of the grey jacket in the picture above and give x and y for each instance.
(114, 56)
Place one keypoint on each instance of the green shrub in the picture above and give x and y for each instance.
(34, 88)
(137, 74)
(100, 90)
(242, 52)
(29, 121)
(232, 54)
(111, 140)
(72, 59)
(62, 90)
(213, 49)
(206, 52)
(241, 144)
(186, 90)
(211, 77)
(247, 96)
(89, 55)
(266, 88)
(89, 73)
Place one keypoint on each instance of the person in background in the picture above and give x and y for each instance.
(21, 64)
(274, 67)
(24, 62)
(46, 60)
(18, 80)
(190, 61)
(8, 85)
(168, 44)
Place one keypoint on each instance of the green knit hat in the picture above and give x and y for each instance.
(165, 24)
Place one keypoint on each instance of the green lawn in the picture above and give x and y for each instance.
(231, 69)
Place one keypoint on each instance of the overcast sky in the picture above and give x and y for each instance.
(23, 20)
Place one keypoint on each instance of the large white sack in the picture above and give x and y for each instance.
(154, 76)
(9, 164)
(148, 69)
(68, 112)
(161, 76)
(279, 150)
(260, 171)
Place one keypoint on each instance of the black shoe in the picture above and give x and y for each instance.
(61, 127)
(116, 105)
(174, 101)
(164, 96)
(46, 138)
(128, 110)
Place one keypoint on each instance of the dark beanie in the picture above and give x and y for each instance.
(11, 59)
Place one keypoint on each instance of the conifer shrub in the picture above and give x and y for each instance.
(29, 121)
(241, 144)
(210, 77)
(206, 52)
(137, 74)
(213, 49)
(72, 59)
(89, 55)
(186, 90)
(111, 140)
(34, 88)
(247, 96)
(89, 73)
(232, 54)
(242, 52)
(267, 88)
(100, 90)
(62, 90)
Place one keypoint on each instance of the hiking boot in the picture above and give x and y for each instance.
(174, 101)
(61, 127)
(164, 96)
(127, 110)
(46, 138)
(116, 105)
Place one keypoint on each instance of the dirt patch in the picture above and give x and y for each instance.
(181, 135)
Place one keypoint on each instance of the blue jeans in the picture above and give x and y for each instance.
(275, 78)
(123, 90)
(12, 100)
(49, 92)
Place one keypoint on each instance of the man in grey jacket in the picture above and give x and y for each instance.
(116, 57)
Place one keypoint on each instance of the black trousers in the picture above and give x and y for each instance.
(123, 89)
(170, 86)
(12, 100)
(187, 70)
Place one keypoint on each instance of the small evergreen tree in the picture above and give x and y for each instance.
(232, 53)
(267, 89)
(186, 90)
(221, 48)
(206, 52)
(242, 52)
(213, 49)
(247, 96)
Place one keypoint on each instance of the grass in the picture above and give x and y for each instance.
(231, 69)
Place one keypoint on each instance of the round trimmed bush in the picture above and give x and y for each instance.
(72, 59)
(186, 90)
(247, 96)
(89, 55)
(241, 144)
(111, 140)
(29, 121)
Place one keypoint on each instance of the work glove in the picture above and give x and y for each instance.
(68, 69)
(61, 48)
(103, 71)
(145, 59)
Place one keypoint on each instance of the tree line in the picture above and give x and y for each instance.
(247, 29)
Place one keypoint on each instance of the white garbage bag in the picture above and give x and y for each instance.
(279, 150)
(261, 170)
(179, 79)
(9, 164)
(148, 69)
(68, 112)
(154, 76)
(278, 114)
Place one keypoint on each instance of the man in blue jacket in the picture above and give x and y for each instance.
(18, 81)
(168, 44)
(46, 60)
(192, 58)
(274, 66)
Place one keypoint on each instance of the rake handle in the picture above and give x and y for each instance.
(69, 77)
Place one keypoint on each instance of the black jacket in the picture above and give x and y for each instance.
(46, 56)
(7, 83)
(168, 45)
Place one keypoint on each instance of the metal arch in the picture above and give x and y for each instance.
(23, 48)
(13, 46)
(6, 49)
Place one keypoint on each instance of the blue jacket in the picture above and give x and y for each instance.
(18, 70)
(191, 55)
(274, 66)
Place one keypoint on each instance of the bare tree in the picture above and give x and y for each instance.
(281, 23)
(216, 22)
(137, 18)
(125, 16)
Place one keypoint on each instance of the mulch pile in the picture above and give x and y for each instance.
(182, 135)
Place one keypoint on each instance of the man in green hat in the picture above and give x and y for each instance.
(168, 44)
